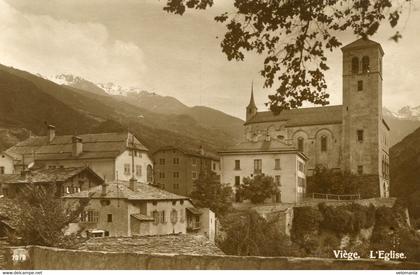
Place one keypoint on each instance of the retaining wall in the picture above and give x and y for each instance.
(45, 258)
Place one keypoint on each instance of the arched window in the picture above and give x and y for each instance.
(174, 216)
(323, 144)
(365, 64)
(300, 144)
(355, 65)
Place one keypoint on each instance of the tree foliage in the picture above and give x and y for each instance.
(209, 192)
(329, 181)
(249, 234)
(293, 37)
(258, 188)
(42, 217)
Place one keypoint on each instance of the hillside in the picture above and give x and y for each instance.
(405, 171)
(74, 110)
(402, 123)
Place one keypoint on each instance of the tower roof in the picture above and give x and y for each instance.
(251, 101)
(362, 43)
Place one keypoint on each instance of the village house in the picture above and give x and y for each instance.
(176, 169)
(269, 157)
(108, 154)
(67, 180)
(350, 137)
(121, 209)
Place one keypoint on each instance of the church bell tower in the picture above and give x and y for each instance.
(363, 125)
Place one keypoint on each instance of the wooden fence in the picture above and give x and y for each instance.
(349, 197)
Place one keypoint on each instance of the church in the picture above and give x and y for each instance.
(349, 137)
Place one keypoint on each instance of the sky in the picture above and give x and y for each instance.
(135, 43)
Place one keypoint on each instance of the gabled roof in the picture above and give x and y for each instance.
(362, 43)
(262, 146)
(190, 152)
(120, 190)
(48, 175)
(103, 146)
(302, 117)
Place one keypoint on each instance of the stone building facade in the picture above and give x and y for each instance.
(352, 136)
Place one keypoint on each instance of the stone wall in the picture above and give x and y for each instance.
(41, 258)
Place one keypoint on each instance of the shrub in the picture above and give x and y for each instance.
(258, 189)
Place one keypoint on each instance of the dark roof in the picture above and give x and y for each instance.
(194, 210)
(190, 152)
(121, 190)
(302, 117)
(102, 145)
(184, 244)
(262, 146)
(142, 217)
(47, 175)
(362, 43)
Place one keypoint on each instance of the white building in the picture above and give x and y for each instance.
(108, 154)
(270, 157)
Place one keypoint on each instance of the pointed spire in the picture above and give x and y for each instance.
(251, 101)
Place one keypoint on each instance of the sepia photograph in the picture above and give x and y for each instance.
(191, 135)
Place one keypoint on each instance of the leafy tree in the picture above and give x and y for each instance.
(249, 234)
(258, 188)
(329, 181)
(293, 37)
(42, 217)
(209, 192)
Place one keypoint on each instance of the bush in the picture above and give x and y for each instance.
(258, 189)
(249, 234)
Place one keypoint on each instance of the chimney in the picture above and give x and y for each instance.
(51, 132)
(201, 150)
(133, 182)
(104, 189)
(267, 137)
(77, 147)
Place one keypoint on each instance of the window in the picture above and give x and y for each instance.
(257, 166)
(214, 166)
(277, 180)
(365, 64)
(301, 166)
(176, 174)
(109, 217)
(162, 161)
(277, 164)
(323, 144)
(237, 164)
(182, 218)
(126, 169)
(155, 215)
(162, 175)
(1, 170)
(5, 192)
(360, 169)
(174, 216)
(194, 175)
(176, 186)
(360, 135)
(89, 216)
(176, 160)
(138, 170)
(360, 85)
(355, 65)
(162, 216)
(194, 161)
(301, 182)
(237, 180)
(300, 144)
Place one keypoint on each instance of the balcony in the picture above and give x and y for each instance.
(193, 226)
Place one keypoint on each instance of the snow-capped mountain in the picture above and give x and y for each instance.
(406, 113)
(115, 89)
(76, 82)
